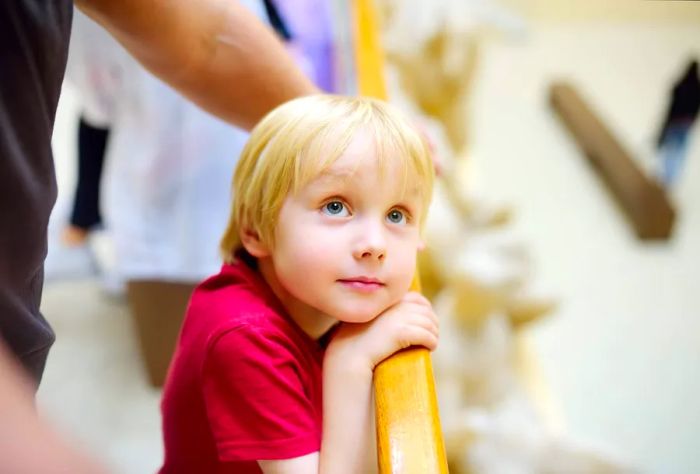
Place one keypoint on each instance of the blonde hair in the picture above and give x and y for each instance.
(299, 140)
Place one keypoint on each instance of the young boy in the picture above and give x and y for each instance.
(330, 195)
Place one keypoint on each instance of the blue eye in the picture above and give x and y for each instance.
(396, 217)
(335, 208)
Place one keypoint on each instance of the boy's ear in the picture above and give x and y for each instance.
(253, 244)
(421, 245)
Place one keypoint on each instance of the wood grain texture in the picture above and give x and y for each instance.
(409, 439)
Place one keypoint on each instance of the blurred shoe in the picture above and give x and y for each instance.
(111, 282)
(65, 262)
(113, 286)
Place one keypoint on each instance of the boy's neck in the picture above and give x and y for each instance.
(314, 323)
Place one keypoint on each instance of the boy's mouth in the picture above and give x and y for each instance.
(362, 283)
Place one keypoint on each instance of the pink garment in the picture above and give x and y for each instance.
(245, 381)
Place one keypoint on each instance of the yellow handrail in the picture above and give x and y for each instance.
(409, 438)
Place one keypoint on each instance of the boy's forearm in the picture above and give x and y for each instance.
(215, 52)
(347, 416)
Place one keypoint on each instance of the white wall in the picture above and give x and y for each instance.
(622, 354)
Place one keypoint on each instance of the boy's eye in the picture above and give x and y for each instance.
(396, 217)
(335, 208)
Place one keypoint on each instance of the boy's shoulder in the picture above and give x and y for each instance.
(236, 290)
(237, 298)
(234, 321)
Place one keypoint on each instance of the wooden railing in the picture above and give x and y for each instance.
(409, 437)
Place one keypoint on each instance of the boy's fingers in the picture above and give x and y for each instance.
(420, 322)
(418, 335)
(428, 324)
(426, 338)
(424, 311)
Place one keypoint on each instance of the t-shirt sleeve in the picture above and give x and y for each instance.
(255, 400)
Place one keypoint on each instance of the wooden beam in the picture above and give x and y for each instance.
(409, 436)
(642, 199)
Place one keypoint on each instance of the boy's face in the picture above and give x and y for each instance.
(345, 245)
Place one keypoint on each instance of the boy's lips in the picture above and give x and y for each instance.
(362, 283)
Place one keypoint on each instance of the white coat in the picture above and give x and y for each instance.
(165, 195)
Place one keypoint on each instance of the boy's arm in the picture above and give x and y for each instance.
(215, 52)
(302, 464)
(347, 415)
(348, 368)
(347, 421)
(347, 384)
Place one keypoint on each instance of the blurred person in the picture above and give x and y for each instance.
(85, 213)
(93, 69)
(163, 191)
(674, 136)
(329, 199)
(94, 72)
(70, 254)
(214, 51)
(102, 77)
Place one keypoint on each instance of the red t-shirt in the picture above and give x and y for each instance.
(245, 381)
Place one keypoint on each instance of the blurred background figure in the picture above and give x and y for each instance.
(85, 215)
(161, 239)
(673, 141)
(94, 70)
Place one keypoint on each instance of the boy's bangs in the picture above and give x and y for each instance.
(321, 150)
(391, 143)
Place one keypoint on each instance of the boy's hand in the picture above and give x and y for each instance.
(348, 371)
(410, 322)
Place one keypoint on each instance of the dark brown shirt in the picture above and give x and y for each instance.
(34, 37)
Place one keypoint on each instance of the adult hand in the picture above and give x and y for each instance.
(27, 442)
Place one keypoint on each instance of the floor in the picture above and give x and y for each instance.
(621, 356)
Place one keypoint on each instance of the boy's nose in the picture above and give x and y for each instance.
(371, 244)
(373, 253)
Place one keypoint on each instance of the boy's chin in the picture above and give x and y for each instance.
(359, 316)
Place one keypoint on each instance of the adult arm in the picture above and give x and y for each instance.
(215, 52)
(27, 443)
